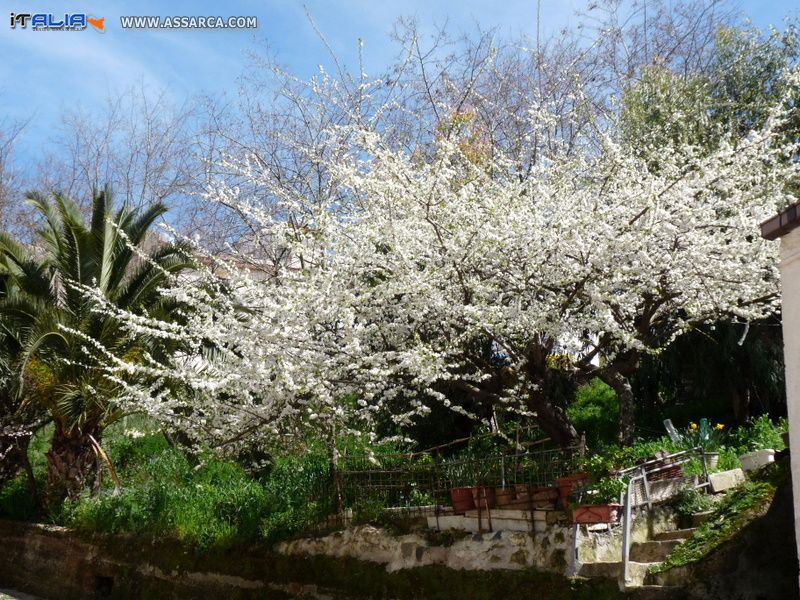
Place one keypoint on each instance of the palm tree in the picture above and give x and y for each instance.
(19, 420)
(51, 319)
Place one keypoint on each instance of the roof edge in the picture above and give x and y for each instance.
(782, 223)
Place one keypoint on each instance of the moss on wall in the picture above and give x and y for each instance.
(55, 563)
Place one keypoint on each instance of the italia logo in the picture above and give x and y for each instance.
(56, 22)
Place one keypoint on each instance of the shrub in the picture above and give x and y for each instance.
(760, 433)
(213, 505)
(595, 411)
(690, 501)
(15, 501)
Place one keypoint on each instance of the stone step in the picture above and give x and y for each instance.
(446, 522)
(677, 534)
(613, 570)
(637, 571)
(653, 551)
(609, 570)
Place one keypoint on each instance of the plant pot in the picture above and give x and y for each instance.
(587, 514)
(529, 497)
(462, 500)
(521, 490)
(712, 460)
(504, 496)
(757, 459)
(483, 497)
(565, 485)
(544, 497)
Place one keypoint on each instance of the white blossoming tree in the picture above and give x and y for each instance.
(449, 268)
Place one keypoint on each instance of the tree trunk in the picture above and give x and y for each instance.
(333, 465)
(72, 465)
(13, 452)
(553, 420)
(741, 404)
(551, 417)
(627, 406)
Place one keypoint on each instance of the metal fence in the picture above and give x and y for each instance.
(406, 481)
(655, 481)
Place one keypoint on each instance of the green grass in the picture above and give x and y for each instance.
(205, 502)
(740, 507)
(211, 504)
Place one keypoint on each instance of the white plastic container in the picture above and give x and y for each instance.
(759, 458)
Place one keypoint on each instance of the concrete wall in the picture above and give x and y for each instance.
(790, 278)
(53, 562)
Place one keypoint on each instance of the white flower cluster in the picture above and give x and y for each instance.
(389, 287)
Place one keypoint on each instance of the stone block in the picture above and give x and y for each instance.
(725, 480)
(446, 522)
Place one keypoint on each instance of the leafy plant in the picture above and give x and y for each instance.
(759, 434)
(594, 412)
(710, 437)
(606, 491)
(690, 501)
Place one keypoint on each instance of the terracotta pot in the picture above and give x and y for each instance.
(545, 493)
(521, 490)
(565, 485)
(596, 513)
(483, 497)
(462, 500)
(504, 496)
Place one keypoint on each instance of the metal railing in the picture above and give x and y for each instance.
(654, 481)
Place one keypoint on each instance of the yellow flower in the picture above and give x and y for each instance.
(719, 427)
(693, 426)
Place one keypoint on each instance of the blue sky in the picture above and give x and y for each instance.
(42, 73)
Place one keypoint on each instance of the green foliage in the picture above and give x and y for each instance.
(46, 316)
(748, 501)
(728, 459)
(690, 501)
(605, 491)
(616, 458)
(666, 109)
(760, 433)
(213, 504)
(711, 437)
(16, 502)
(595, 411)
(745, 74)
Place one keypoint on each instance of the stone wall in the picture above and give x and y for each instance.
(546, 549)
(52, 562)
(510, 550)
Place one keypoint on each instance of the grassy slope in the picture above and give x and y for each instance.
(740, 507)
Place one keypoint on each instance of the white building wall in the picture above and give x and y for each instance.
(790, 279)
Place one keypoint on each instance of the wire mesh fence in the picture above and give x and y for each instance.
(662, 478)
(409, 482)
